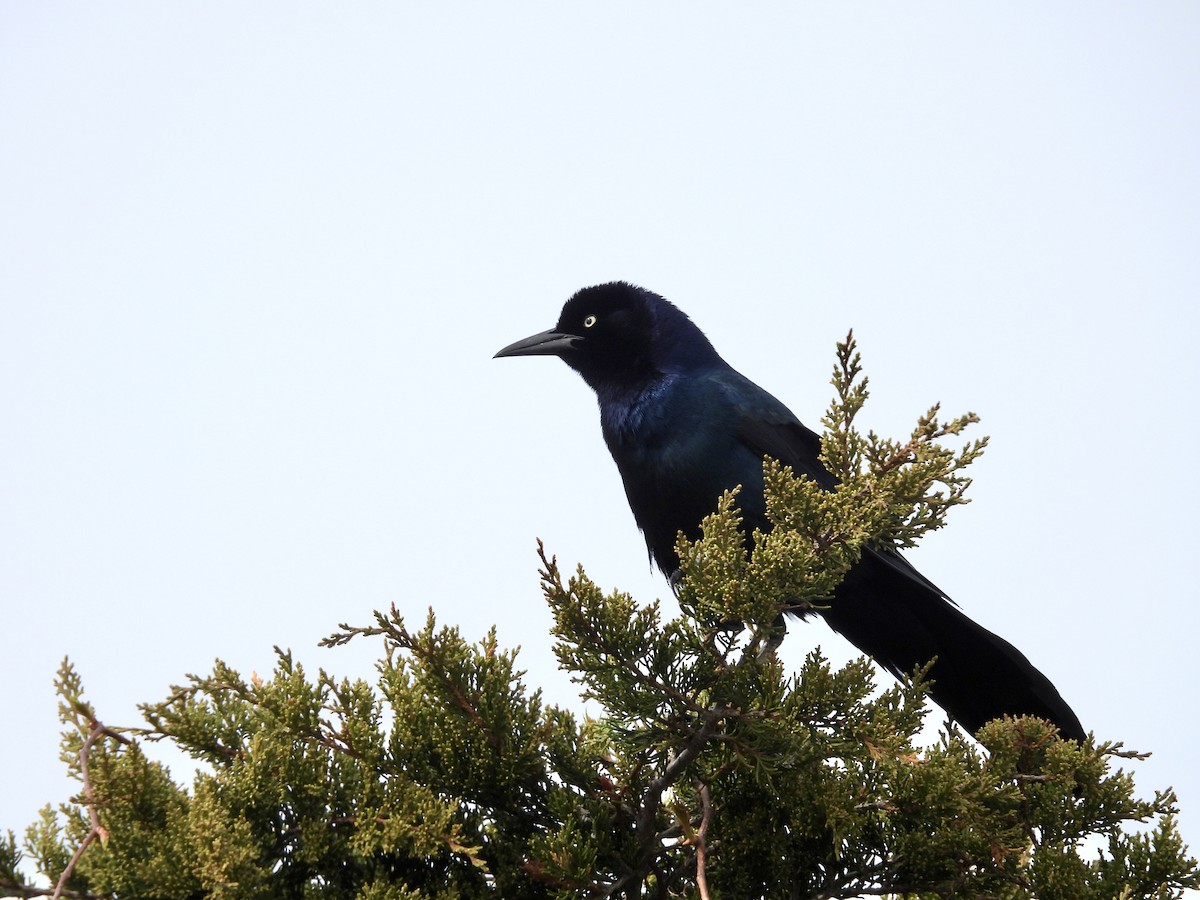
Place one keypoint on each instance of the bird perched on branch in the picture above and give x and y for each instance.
(683, 426)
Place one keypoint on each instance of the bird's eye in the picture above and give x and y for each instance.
(589, 321)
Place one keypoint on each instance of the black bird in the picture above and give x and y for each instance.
(683, 426)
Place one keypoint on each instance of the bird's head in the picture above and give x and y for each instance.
(619, 333)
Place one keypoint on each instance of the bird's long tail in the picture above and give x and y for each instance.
(893, 614)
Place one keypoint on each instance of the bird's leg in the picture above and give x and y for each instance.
(777, 633)
(725, 633)
(766, 640)
(675, 579)
(756, 648)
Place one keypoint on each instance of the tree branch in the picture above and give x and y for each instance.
(97, 731)
(701, 840)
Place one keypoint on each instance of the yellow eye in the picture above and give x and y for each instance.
(589, 321)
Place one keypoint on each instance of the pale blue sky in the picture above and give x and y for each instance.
(255, 259)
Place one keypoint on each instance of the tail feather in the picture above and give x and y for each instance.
(900, 619)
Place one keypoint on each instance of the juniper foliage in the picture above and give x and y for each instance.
(709, 771)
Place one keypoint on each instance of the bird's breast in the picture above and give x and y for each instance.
(677, 448)
(658, 426)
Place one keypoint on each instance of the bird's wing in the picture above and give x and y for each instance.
(790, 442)
(771, 429)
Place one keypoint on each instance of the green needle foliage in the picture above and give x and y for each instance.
(708, 772)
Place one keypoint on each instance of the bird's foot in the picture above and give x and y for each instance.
(775, 636)
(674, 580)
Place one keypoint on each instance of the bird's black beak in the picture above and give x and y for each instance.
(544, 343)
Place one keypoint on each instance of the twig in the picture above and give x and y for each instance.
(98, 730)
(15, 889)
(701, 840)
(644, 825)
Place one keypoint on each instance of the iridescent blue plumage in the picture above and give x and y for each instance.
(683, 426)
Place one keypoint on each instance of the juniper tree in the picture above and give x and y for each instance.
(708, 771)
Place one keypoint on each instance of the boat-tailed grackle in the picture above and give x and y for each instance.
(683, 426)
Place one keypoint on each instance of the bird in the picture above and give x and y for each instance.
(683, 426)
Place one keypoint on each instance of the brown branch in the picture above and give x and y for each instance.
(701, 840)
(97, 731)
(652, 800)
(19, 889)
(461, 701)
